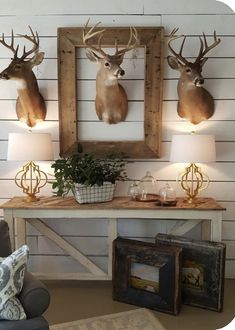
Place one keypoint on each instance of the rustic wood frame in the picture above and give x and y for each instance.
(211, 257)
(151, 38)
(166, 259)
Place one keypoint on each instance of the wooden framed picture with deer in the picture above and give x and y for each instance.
(98, 111)
(202, 272)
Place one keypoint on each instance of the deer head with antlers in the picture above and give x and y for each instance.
(30, 106)
(195, 102)
(111, 100)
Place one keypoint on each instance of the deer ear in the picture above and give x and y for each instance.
(92, 56)
(173, 62)
(37, 59)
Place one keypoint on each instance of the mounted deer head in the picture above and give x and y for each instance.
(195, 102)
(111, 100)
(30, 106)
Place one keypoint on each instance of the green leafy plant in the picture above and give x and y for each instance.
(88, 170)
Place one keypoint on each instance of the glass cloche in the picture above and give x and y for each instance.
(167, 195)
(148, 188)
(134, 191)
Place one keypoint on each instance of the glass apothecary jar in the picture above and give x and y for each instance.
(134, 191)
(148, 188)
(167, 195)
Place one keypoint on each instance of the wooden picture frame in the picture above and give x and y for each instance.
(147, 275)
(203, 267)
(151, 38)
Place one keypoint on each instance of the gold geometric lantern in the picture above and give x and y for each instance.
(31, 147)
(193, 149)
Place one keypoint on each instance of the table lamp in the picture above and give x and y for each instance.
(30, 147)
(193, 149)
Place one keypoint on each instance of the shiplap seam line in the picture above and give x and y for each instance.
(177, 78)
(219, 141)
(159, 180)
(84, 14)
(222, 99)
(197, 14)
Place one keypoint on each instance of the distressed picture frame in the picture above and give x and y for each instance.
(203, 267)
(147, 275)
(151, 39)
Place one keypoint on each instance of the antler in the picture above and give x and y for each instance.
(11, 46)
(34, 39)
(133, 36)
(204, 48)
(179, 55)
(89, 34)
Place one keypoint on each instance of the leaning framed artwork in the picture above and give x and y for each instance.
(147, 275)
(203, 266)
(150, 39)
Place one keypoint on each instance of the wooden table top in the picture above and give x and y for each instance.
(55, 202)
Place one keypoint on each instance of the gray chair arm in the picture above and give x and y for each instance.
(37, 323)
(34, 296)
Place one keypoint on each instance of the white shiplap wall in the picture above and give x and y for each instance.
(192, 17)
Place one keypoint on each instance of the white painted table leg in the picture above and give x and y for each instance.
(8, 217)
(206, 230)
(216, 227)
(20, 225)
(112, 234)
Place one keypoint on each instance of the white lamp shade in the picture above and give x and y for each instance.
(193, 148)
(30, 146)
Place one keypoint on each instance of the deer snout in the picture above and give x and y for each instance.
(199, 82)
(119, 73)
(4, 75)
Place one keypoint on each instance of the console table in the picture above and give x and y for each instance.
(17, 212)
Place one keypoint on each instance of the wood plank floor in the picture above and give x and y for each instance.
(73, 300)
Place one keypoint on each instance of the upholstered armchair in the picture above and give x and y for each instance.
(34, 295)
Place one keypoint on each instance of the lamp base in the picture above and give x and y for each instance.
(31, 179)
(192, 182)
(190, 200)
(195, 201)
(31, 198)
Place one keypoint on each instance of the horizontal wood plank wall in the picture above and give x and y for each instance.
(192, 17)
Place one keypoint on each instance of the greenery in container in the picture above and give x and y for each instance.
(88, 170)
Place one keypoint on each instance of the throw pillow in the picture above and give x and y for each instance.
(12, 270)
